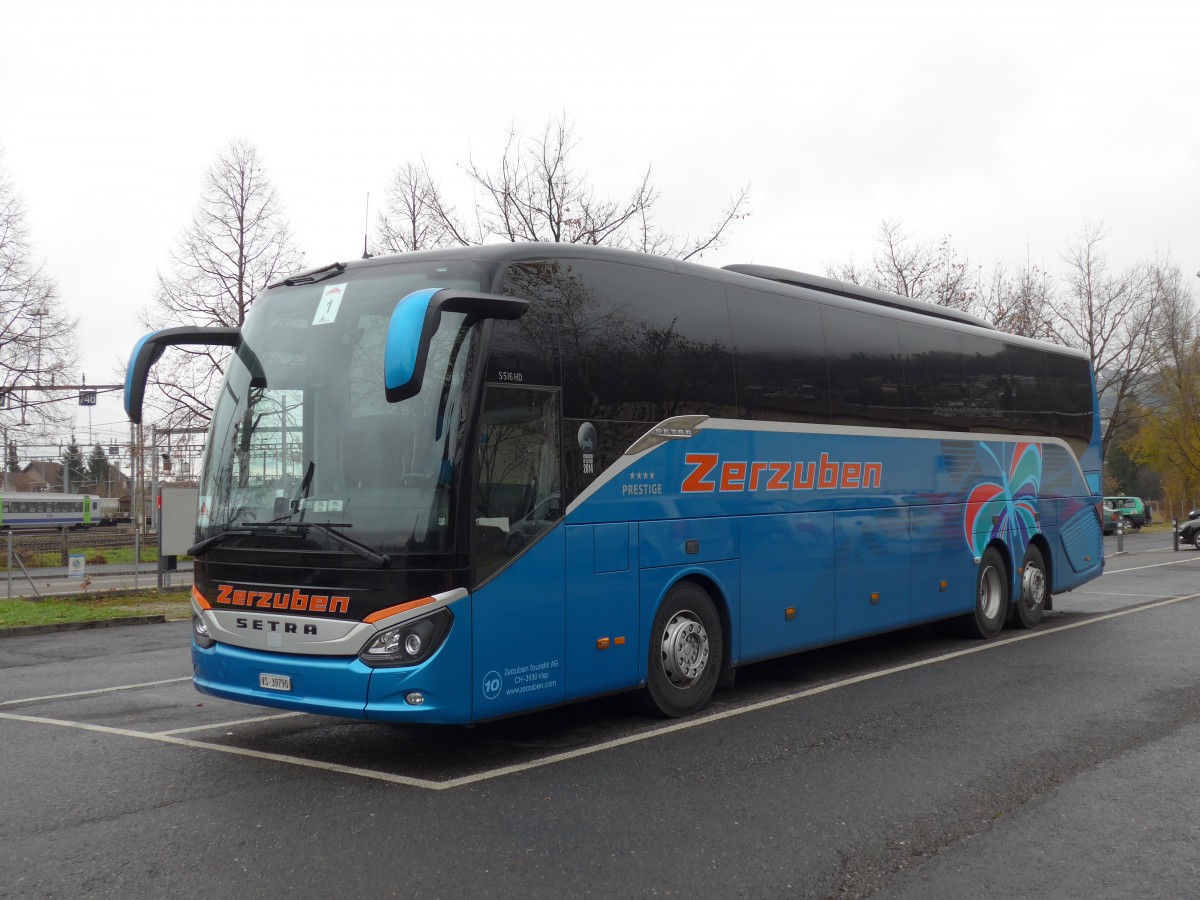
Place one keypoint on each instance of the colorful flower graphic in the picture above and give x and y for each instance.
(1007, 507)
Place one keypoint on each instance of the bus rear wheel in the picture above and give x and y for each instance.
(1035, 588)
(991, 596)
(686, 649)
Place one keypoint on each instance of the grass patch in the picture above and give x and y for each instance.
(96, 556)
(172, 602)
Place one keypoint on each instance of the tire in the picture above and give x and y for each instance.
(991, 597)
(1035, 589)
(1127, 525)
(687, 647)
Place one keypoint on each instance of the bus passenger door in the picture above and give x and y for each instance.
(518, 609)
(602, 608)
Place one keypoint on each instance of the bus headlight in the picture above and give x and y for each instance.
(410, 643)
(200, 633)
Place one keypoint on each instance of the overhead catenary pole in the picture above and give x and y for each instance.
(139, 508)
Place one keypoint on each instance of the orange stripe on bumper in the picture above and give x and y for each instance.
(199, 598)
(393, 610)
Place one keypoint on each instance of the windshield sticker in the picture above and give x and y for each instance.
(331, 301)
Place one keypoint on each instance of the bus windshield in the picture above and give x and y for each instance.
(302, 430)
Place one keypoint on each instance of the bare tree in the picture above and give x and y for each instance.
(36, 335)
(1020, 302)
(1168, 439)
(1110, 315)
(934, 272)
(536, 192)
(417, 216)
(238, 241)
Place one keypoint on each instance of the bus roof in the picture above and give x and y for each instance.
(857, 292)
(788, 281)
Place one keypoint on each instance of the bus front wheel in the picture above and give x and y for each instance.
(1034, 589)
(686, 650)
(991, 596)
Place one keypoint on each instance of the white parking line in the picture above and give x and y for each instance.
(235, 751)
(216, 725)
(1178, 562)
(1085, 593)
(408, 781)
(93, 692)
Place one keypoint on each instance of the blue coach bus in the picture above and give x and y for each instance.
(455, 485)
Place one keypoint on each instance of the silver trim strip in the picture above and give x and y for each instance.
(286, 633)
(869, 431)
(672, 429)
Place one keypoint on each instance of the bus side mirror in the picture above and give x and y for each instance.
(151, 347)
(414, 322)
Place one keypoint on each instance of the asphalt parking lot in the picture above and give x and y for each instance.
(140, 783)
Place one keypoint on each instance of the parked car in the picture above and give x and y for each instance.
(1132, 509)
(1189, 531)
(541, 517)
(1109, 518)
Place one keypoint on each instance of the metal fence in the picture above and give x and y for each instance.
(38, 563)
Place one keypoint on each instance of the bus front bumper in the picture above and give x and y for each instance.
(436, 691)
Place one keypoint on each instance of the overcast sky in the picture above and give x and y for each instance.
(1006, 126)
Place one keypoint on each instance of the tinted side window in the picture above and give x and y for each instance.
(866, 377)
(934, 377)
(780, 345)
(1030, 391)
(524, 350)
(1070, 394)
(641, 345)
(989, 393)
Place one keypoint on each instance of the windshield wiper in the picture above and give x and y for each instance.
(202, 547)
(350, 544)
(294, 503)
(311, 276)
(337, 537)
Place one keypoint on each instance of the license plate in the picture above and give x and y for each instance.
(275, 682)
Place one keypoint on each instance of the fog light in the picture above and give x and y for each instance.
(414, 698)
